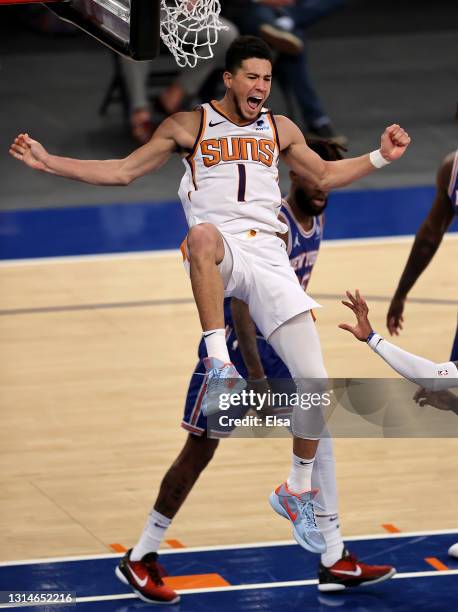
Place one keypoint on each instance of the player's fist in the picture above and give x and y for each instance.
(394, 142)
(29, 151)
(394, 318)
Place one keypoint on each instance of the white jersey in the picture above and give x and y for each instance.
(231, 177)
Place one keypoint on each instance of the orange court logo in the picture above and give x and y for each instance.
(217, 150)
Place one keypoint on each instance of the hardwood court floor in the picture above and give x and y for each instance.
(95, 360)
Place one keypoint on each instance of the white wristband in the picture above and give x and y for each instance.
(373, 340)
(377, 159)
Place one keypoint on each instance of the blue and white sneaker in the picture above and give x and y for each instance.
(221, 378)
(299, 508)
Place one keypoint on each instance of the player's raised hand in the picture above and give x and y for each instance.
(358, 305)
(394, 318)
(394, 142)
(29, 151)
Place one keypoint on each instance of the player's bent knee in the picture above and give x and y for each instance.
(202, 240)
(199, 451)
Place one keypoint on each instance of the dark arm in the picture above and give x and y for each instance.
(427, 241)
(246, 335)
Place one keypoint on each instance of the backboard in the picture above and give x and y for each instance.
(130, 27)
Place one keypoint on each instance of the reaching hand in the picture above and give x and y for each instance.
(394, 142)
(29, 151)
(363, 328)
(443, 400)
(394, 318)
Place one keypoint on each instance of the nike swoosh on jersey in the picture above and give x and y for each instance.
(137, 579)
(211, 124)
(356, 572)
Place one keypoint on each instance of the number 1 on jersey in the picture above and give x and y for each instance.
(242, 182)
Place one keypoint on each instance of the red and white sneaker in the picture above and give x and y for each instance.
(145, 578)
(348, 572)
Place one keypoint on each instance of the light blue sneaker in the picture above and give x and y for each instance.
(221, 378)
(299, 508)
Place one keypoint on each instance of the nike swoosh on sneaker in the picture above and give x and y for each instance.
(356, 572)
(137, 579)
(211, 124)
(292, 515)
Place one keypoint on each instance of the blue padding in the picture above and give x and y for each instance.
(237, 566)
(145, 226)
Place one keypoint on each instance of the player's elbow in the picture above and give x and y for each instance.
(123, 178)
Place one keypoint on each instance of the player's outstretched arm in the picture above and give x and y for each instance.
(433, 376)
(246, 336)
(331, 174)
(171, 133)
(427, 241)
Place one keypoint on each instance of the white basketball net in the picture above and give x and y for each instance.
(189, 28)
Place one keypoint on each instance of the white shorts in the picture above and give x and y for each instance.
(256, 269)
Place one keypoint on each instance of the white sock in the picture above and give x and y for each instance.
(215, 341)
(330, 528)
(152, 536)
(300, 477)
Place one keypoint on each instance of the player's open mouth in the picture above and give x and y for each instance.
(254, 102)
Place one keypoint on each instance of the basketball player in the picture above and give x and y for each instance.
(427, 241)
(231, 198)
(254, 358)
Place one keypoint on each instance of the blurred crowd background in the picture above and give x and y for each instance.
(344, 69)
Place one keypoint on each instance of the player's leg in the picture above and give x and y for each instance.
(338, 569)
(175, 487)
(297, 343)
(211, 268)
(139, 566)
(206, 251)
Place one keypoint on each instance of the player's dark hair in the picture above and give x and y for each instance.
(246, 47)
(326, 149)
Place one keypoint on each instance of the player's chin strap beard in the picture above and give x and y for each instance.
(304, 204)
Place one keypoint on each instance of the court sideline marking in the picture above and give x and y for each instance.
(191, 549)
(237, 587)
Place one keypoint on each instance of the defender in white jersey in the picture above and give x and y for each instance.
(234, 249)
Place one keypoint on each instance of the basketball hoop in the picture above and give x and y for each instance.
(189, 28)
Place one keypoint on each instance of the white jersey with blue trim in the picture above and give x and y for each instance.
(231, 177)
(453, 184)
(303, 246)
